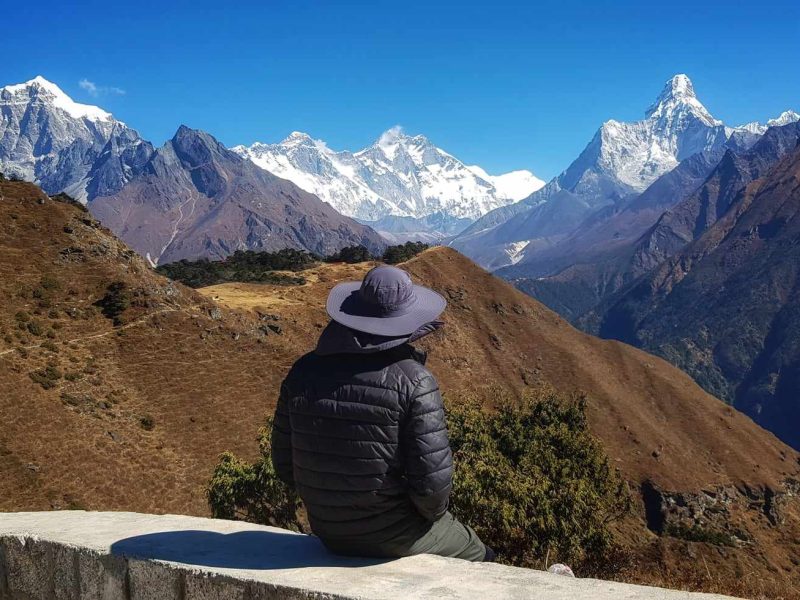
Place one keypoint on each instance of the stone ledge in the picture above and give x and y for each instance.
(128, 556)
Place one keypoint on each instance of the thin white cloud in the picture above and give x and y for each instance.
(95, 90)
(390, 135)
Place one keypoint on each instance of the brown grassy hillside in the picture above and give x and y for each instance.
(133, 416)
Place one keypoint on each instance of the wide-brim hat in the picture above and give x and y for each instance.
(385, 303)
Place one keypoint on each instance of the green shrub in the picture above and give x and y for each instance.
(532, 481)
(403, 252)
(35, 328)
(147, 422)
(529, 477)
(48, 282)
(696, 533)
(66, 199)
(115, 302)
(252, 491)
(50, 345)
(47, 377)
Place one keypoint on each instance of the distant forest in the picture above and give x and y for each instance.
(248, 266)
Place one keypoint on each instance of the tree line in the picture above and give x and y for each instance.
(249, 266)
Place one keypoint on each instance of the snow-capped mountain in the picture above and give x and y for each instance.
(620, 162)
(634, 155)
(399, 175)
(785, 118)
(48, 138)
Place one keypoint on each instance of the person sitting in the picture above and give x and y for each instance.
(359, 429)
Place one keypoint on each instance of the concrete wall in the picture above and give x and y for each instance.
(127, 556)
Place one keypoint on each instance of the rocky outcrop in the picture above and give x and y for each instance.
(708, 516)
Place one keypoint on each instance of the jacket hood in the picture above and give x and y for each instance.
(338, 339)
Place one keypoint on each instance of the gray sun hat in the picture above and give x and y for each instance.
(385, 303)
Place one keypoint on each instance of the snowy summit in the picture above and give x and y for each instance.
(62, 145)
(48, 92)
(398, 175)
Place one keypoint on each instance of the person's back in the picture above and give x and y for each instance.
(360, 432)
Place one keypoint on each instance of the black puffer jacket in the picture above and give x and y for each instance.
(360, 432)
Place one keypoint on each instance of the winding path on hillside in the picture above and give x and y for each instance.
(94, 336)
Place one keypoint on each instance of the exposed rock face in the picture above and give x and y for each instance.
(195, 198)
(708, 515)
(79, 149)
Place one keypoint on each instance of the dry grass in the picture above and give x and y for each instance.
(203, 368)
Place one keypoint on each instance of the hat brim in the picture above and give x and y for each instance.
(343, 307)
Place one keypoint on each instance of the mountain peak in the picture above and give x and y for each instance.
(391, 136)
(41, 87)
(678, 95)
(198, 147)
(786, 117)
(679, 86)
(297, 138)
(186, 134)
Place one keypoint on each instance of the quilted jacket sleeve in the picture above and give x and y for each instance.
(426, 451)
(282, 439)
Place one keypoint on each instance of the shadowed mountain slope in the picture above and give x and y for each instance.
(726, 308)
(195, 198)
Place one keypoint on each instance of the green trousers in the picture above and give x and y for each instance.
(449, 537)
(445, 537)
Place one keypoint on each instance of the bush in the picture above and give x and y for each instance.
(48, 282)
(116, 301)
(252, 492)
(529, 478)
(147, 422)
(49, 345)
(403, 252)
(35, 327)
(47, 377)
(67, 199)
(532, 481)
(351, 255)
(696, 533)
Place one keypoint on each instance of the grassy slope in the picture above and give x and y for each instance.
(206, 375)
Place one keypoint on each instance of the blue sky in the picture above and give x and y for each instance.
(504, 85)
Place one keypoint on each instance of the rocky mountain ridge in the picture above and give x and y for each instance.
(195, 198)
(612, 249)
